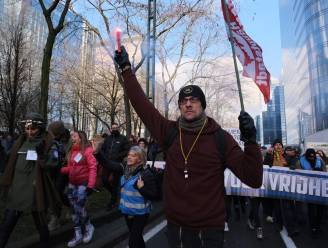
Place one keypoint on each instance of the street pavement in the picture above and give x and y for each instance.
(111, 232)
(240, 236)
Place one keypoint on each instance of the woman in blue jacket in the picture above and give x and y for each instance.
(138, 186)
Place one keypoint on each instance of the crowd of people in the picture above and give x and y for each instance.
(281, 212)
(54, 167)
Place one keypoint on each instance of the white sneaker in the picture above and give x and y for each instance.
(226, 227)
(53, 223)
(250, 224)
(77, 238)
(89, 230)
(269, 219)
(259, 233)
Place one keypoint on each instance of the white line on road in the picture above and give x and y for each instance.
(287, 240)
(152, 232)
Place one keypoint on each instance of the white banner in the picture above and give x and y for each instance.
(279, 182)
(283, 183)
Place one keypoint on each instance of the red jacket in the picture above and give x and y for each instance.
(196, 202)
(83, 170)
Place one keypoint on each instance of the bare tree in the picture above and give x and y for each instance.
(133, 16)
(53, 31)
(18, 93)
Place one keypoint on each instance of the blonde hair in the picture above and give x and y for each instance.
(140, 152)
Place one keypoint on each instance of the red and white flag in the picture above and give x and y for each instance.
(248, 51)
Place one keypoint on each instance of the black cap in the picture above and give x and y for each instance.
(195, 91)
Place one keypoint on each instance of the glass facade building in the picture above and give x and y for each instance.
(304, 40)
(74, 45)
(274, 120)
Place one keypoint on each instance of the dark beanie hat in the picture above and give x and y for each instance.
(192, 90)
(277, 141)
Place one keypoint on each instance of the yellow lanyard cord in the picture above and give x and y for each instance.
(191, 148)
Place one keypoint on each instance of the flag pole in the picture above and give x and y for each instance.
(234, 56)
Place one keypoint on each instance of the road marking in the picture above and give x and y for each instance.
(287, 240)
(152, 232)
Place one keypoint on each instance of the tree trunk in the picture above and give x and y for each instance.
(166, 104)
(12, 115)
(45, 74)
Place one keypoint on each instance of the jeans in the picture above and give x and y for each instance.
(136, 224)
(180, 237)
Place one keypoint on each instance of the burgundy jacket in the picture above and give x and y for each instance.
(196, 202)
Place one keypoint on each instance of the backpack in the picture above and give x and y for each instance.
(58, 153)
(157, 174)
(169, 138)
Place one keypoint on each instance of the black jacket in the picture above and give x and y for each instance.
(115, 147)
(150, 190)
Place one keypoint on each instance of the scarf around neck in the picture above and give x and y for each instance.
(278, 159)
(195, 125)
(130, 170)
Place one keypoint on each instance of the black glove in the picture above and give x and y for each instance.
(247, 128)
(122, 59)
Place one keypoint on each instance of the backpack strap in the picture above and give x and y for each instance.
(220, 143)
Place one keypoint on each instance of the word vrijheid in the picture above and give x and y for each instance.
(300, 185)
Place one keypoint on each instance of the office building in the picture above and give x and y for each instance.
(304, 39)
(274, 120)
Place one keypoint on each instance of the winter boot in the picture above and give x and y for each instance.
(77, 238)
(89, 230)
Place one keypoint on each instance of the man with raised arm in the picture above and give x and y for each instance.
(194, 174)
